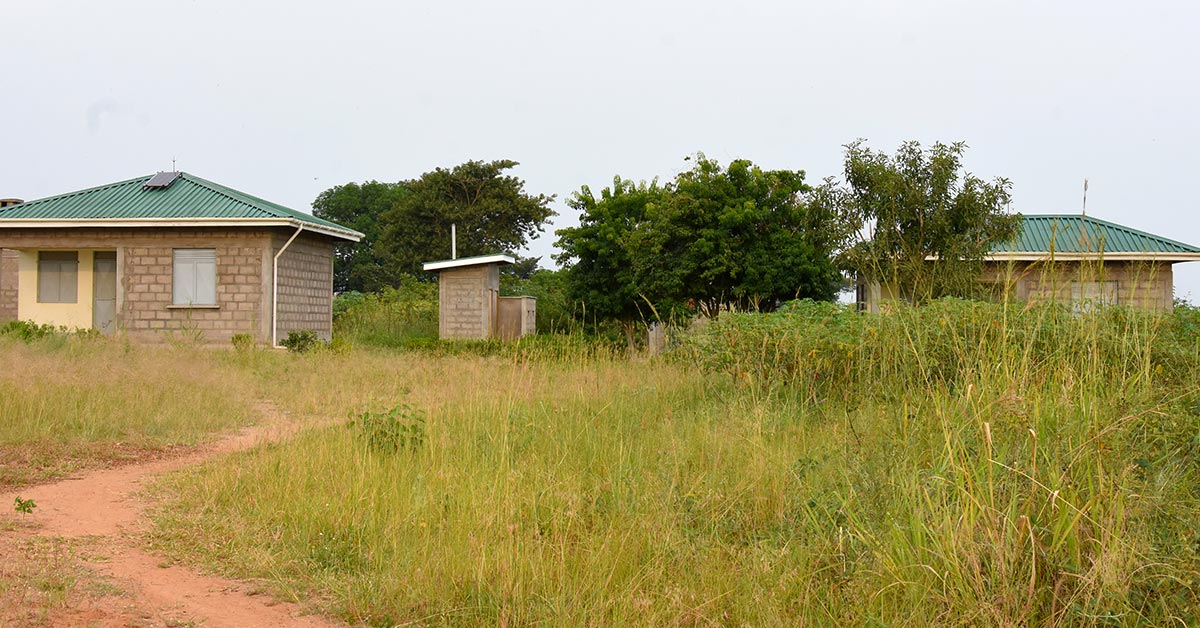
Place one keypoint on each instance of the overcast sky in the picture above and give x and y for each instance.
(285, 99)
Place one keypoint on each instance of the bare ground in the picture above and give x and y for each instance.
(77, 559)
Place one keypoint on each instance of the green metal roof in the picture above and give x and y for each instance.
(1084, 234)
(188, 198)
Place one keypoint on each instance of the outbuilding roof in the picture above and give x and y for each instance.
(477, 260)
(1076, 235)
(186, 200)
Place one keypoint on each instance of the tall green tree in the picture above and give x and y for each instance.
(597, 256)
(737, 236)
(925, 224)
(712, 237)
(358, 266)
(492, 211)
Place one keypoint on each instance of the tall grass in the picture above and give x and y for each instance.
(958, 464)
(69, 402)
(395, 317)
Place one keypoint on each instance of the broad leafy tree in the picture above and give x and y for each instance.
(925, 224)
(597, 256)
(713, 237)
(358, 266)
(492, 211)
(738, 236)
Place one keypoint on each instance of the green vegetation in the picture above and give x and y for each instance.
(407, 223)
(393, 317)
(711, 238)
(922, 223)
(960, 463)
(73, 401)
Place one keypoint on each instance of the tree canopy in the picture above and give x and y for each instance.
(925, 225)
(597, 255)
(492, 211)
(712, 237)
(408, 223)
(358, 266)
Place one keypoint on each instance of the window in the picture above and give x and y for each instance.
(195, 277)
(58, 276)
(1087, 295)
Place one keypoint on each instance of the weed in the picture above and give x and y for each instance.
(24, 506)
(243, 343)
(398, 429)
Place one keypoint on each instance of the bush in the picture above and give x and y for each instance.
(301, 341)
(394, 317)
(28, 331)
(400, 428)
(824, 349)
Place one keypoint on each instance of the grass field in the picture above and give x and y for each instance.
(78, 402)
(960, 464)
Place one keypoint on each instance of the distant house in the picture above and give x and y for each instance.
(1078, 259)
(168, 254)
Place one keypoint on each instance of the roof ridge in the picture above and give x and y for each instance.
(96, 188)
(228, 193)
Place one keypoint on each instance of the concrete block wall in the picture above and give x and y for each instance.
(467, 300)
(1140, 284)
(146, 273)
(8, 285)
(517, 317)
(305, 284)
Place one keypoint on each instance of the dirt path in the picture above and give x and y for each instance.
(96, 520)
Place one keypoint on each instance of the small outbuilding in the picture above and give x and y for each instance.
(169, 253)
(469, 303)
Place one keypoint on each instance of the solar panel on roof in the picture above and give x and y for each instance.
(161, 180)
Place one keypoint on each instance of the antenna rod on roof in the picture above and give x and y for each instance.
(1085, 197)
(173, 168)
(453, 241)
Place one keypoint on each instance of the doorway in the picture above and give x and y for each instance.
(104, 291)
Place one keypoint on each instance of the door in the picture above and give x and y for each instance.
(104, 291)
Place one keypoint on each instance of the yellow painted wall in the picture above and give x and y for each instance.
(70, 315)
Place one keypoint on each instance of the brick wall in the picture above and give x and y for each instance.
(8, 285)
(305, 284)
(1145, 285)
(467, 301)
(146, 281)
(145, 271)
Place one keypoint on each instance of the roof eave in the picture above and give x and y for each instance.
(463, 262)
(108, 223)
(1035, 256)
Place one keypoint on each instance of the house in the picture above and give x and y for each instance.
(1078, 259)
(168, 254)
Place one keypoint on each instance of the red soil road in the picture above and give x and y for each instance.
(106, 504)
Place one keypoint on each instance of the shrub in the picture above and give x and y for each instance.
(399, 428)
(301, 341)
(393, 317)
(28, 331)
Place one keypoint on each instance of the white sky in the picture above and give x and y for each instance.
(285, 99)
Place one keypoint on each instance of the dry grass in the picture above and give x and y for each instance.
(84, 402)
(955, 466)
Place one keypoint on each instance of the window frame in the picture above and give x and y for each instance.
(1103, 293)
(189, 267)
(67, 265)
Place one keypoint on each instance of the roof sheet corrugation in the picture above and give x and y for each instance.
(188, 197)
(1085, 234)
